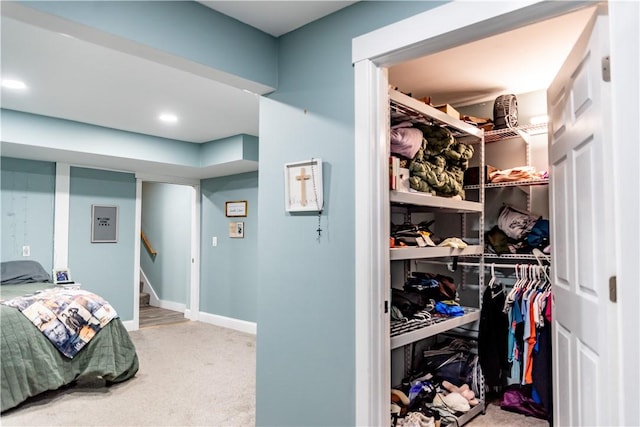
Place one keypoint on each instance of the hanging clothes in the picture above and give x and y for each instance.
(492, 336)
(528, 307)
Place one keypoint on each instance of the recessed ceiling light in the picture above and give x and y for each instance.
(13, 84)
(168, 118)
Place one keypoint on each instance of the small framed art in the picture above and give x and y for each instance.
(104, 224)
(237, 208)
(236, 230)
(303, 186)
(61, 276)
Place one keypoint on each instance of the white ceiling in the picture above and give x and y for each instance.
(521, 61)
(277, 17)
(77, 80)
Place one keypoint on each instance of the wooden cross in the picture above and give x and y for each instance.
(303, 188)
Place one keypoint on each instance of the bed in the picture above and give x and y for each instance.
(31, 364)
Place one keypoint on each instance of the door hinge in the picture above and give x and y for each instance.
(386, 306)
(606, 69)
(613, 289)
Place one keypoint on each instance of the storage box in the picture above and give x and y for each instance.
(472, 175)
(403, 180)
(446, 108)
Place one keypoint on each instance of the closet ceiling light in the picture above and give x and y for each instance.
(168, 118)
(537, 120)
(13, 84)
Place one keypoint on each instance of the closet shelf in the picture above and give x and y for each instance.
(529, 182)
(442, 203)
(470, 414)
(405, 253)
(509, 256)
(412, 330)
(524, 132)
(406, 108)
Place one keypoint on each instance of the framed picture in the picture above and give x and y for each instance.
(61, 276)
(238, 208)
(236, 229)
(303, 186)
(104, 224)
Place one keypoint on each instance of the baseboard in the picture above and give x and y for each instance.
(130, 325)
(170, 305)
(228, 322)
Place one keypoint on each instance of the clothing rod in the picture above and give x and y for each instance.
(471, 264)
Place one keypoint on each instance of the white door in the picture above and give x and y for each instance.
(582, 235)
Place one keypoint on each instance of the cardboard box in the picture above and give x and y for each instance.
(446, 108)
(472, 175)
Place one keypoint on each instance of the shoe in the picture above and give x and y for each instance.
(417, 419)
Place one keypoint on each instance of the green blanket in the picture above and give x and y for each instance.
(31, 364)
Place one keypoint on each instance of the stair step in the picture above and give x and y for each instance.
(144, 299)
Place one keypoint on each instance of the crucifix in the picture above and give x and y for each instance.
(303, 186)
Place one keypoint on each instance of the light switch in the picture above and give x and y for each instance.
(214, 241)
(26, 250)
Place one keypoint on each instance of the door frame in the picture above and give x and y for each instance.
(450, 25)
(193, 308)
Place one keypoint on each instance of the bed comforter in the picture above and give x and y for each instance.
(31, 364)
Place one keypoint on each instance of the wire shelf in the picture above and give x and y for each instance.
(521, 131)
(528, 182)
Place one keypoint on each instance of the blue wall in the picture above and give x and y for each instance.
(103, 268)
(229, 149)
(48, 132)
(166, 221)
(306, 320)
(186, 29)
(28, 191)
(229, 278)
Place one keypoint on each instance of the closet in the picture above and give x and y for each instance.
(489, 200)
(448, 229)
(583, 316)
(510, 169)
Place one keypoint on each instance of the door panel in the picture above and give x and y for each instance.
(562, 374)
(582, 237)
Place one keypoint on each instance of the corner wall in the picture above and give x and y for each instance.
(229, 275)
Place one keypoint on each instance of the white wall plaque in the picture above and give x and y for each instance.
(303, 186)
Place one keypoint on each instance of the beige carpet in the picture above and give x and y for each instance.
(497, 417)
(191, 374)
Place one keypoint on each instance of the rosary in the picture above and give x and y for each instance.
(319, 230)
(315, 192)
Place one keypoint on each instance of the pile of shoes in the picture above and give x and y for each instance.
(418, 416)
(446, 387)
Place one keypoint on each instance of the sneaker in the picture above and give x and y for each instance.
(417, 419)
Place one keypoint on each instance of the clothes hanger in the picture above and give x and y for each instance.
(513, 293)
(493, 284)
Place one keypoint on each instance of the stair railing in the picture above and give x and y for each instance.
(147, 245)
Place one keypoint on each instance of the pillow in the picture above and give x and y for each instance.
(16, 272)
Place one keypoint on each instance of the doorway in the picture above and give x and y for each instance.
(372, 54)
(167, 258)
